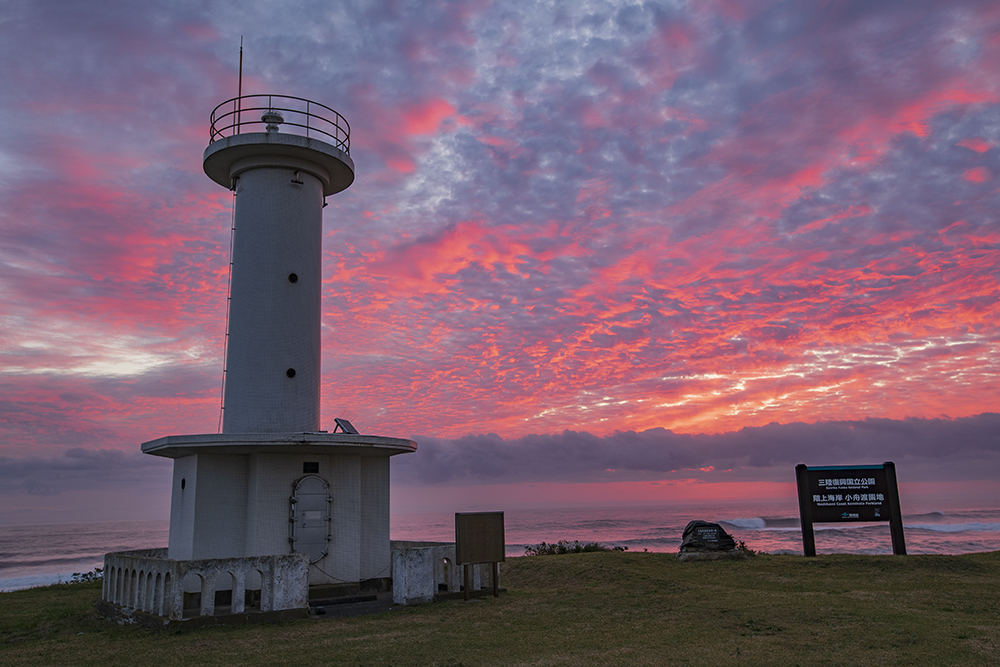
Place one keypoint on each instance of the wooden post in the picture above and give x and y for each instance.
(805, 510)
(496, 579)
(468, 579)
(895, 514)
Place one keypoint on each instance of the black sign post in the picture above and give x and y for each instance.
(831, 494)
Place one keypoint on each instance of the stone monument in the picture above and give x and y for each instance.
(708, 541)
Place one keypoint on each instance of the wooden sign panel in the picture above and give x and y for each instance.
(848, 494)
(479, 537)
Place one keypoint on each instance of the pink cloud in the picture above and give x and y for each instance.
(977, 175)
(426, 117)
(977, 144)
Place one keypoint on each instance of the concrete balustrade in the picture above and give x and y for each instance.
(146, 582)
(422, 571)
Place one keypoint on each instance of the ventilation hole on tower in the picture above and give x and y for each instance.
(293, 278)
(290, 372)
(183, 480)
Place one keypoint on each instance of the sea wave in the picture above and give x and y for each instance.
(754, 523)
(975, 526)
(761, 523)
(936, 521)
(44, 562)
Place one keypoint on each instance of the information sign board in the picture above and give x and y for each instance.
(479, 538)
(831, 494)
(848, 494)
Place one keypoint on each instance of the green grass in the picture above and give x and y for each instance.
(585, 609)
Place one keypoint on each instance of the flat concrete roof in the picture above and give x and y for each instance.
(176, 446)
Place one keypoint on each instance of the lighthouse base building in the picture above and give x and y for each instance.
(325, 495)
(258, 524)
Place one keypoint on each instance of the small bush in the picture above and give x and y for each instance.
(567, 547)
(97, 574)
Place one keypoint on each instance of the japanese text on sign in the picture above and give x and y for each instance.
(848, 495)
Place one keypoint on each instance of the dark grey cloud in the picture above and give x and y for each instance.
(79, 469)
(924, 450)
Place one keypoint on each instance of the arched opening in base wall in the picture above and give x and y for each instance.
(193, 585)
(133, 589)
(157, 597)
(251, 595)
(442, 585)
(223, 593)
(168, 590)
(149, 594)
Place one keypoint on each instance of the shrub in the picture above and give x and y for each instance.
(567, 547)
(97, 574)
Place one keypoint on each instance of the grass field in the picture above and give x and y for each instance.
(585, 609)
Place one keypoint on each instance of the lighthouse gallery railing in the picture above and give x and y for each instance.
(252, 113)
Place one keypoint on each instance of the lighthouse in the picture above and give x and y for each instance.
(273, 503)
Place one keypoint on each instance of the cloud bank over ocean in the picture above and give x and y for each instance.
(926, 449)
(965, 449)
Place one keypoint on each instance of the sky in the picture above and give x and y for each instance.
(594, 251)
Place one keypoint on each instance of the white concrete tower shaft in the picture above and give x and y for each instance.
(273, 354)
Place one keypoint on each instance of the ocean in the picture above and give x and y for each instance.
(39, 555)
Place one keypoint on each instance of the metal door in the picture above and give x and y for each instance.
(311, 507)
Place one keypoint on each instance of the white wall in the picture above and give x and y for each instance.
(236, 505)
(274, 324)
(182, 505)
(376, 555)
(220, 514)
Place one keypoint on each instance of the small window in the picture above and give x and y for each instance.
(310, 467)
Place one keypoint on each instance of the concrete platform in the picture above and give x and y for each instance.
(178, 446)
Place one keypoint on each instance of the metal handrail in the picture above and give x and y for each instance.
(230, 117)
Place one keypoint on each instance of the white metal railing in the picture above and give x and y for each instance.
(297, 115)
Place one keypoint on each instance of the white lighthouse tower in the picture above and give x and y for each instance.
(281, 181)
(272, 483)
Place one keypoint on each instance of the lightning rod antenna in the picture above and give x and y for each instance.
(239, 90)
